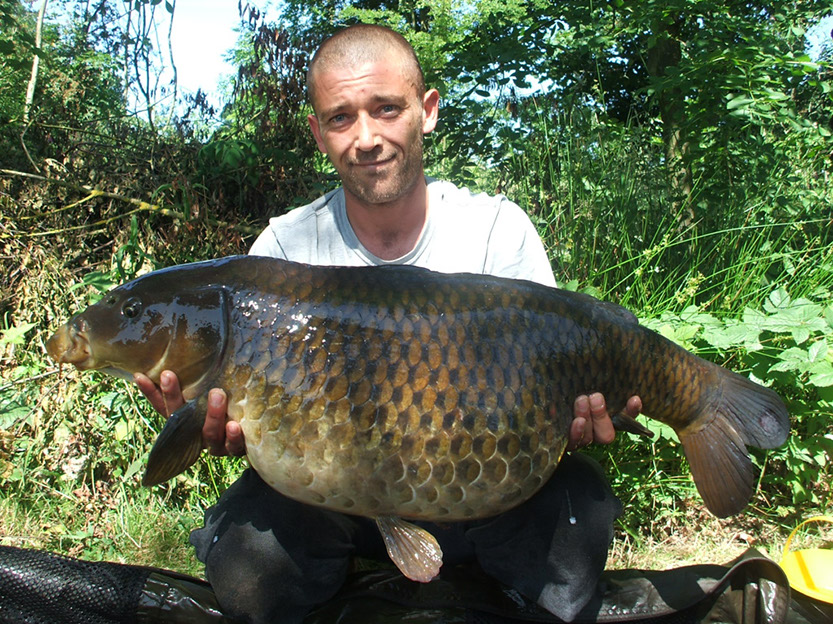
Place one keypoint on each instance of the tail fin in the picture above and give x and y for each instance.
(741, 412)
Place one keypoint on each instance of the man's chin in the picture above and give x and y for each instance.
(383, 193)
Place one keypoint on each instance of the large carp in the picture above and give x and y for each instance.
(397, 392)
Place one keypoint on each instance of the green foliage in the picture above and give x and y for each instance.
(609, 122)
(783, 345)
(723, 84)
(73, 447)
(17, 46)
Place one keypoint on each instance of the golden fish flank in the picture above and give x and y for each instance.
(397, 392)
(395, 417)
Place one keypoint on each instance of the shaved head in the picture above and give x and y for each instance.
(361, 44)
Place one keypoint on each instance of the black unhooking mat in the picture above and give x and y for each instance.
(38, 587)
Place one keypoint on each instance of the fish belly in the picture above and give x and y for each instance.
(372, 410)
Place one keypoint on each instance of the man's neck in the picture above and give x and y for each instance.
(391, 230)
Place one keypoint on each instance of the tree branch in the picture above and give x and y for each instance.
(33, 81)
(141, 206)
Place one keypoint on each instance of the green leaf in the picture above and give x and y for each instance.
(817, 351)
(99, 280)
(739, 102)
(135, 467)
(734, 336)
(776, 300)
(15, 335)
(821, 374)
(794, 354)
(12, 413)
(800, 334)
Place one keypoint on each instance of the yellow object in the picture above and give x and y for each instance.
(810, 571)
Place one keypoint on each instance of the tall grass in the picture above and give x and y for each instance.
(600, 198)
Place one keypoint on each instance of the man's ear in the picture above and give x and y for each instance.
(430, 110)
(312, 120)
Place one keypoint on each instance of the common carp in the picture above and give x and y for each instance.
(400, 393)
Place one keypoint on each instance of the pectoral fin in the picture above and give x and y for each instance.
(178, 445)
(623, 422)
(414, 550)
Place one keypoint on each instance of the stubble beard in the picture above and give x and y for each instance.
(391, 185)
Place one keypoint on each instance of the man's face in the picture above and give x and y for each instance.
(369, 120)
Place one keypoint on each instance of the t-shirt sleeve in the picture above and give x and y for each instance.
(291, 236)
(515, 248)
(267, 244)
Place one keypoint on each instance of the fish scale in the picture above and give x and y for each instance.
(397, 392)
(404, 426)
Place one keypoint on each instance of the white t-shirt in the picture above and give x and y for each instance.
(465, 233)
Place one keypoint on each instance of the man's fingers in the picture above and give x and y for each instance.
(165, 398)
(214, 428)
(578, 429)
(581, 430)
(591, 421)
(217, 436)
(602, 427)
(634, 407)
(171, 392)
(235, 444)
(151, 391)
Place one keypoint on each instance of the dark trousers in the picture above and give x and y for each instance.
(272, 559)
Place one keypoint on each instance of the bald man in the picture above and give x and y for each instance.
(272, 559)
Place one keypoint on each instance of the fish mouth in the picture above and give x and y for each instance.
(70, 345)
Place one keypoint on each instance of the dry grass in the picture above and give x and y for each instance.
(697, 537)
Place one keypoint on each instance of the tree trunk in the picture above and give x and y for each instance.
(667, 52)
(33, 79)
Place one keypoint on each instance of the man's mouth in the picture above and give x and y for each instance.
(374, 164)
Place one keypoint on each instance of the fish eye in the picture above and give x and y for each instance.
(131, 308)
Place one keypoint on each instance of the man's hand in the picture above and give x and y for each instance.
(591, 422)
(219, 435)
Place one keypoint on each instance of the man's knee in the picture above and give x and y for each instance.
(267, 556)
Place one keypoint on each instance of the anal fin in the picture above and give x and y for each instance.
(413, 549)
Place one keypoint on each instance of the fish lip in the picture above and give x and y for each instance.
(71, 345)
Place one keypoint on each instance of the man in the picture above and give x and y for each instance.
(271, 559)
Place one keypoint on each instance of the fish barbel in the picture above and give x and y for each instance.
(400, 393)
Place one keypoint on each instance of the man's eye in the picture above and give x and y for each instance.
(337, 119)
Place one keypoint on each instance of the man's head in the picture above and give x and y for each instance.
(365, 43)
(371, 111)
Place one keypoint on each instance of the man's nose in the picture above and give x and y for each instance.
(367, 137)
